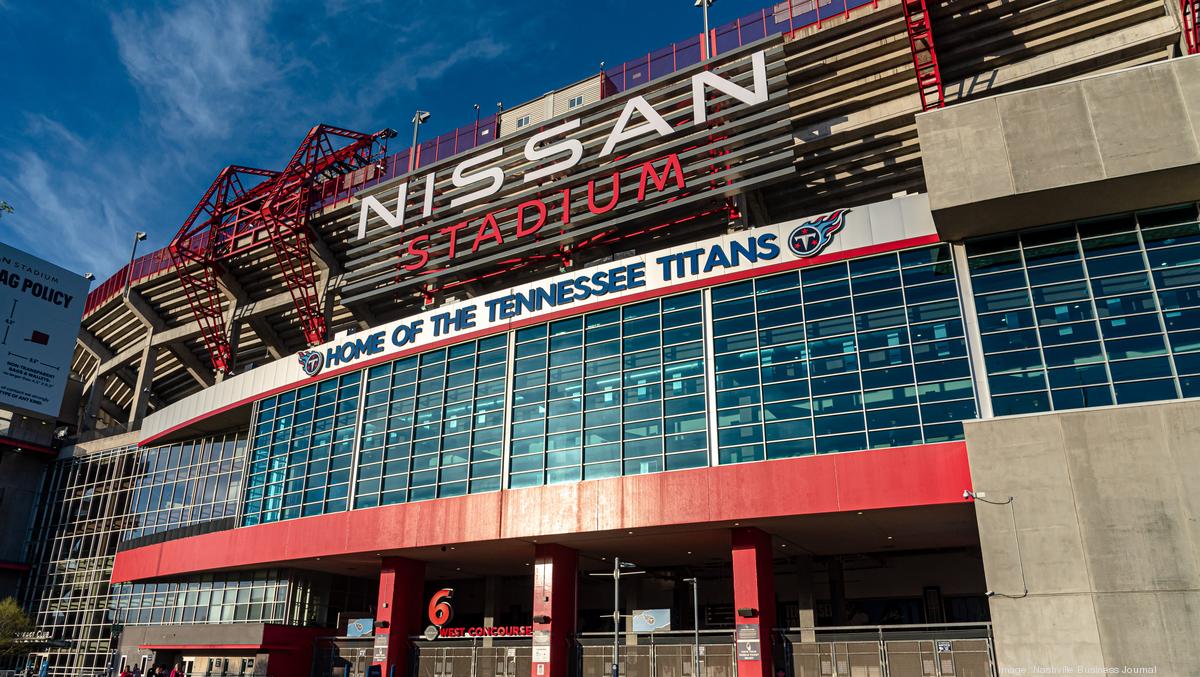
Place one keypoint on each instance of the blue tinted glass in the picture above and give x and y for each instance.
(1145, 391)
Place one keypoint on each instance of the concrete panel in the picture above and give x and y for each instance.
(20, 478)
(1122, 471)
(1031, 466)
(1130, 111)
(1097, 145)
(1050, 631)
(1187, 79)
(1116, 489)
(1158, 639)
(1182, 433)
(972, 160)
(1049, 138)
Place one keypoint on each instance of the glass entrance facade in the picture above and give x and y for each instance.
(860, 354)
(844, 357)
(832, 358)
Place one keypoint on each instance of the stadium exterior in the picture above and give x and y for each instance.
(869, 345)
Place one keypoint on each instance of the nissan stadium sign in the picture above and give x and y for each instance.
(649, 156)
(700, 263)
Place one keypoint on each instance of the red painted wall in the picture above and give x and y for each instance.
(297, 657)
(881, 478)
(754, 588)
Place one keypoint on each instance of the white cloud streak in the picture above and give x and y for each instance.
(202, 66)
(220, 82)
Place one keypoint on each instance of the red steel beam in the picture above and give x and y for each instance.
(1189, 11)
(205, 238)
(924, 55)
(234, 217)
(320, 157)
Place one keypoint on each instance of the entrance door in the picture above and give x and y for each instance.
(503, 661)
(360, 661)
(454, 661)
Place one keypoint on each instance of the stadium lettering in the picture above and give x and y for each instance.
(706, 259)
(553, 153)
(488, 631)
(505, 225)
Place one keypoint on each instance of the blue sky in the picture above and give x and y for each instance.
(116, 117)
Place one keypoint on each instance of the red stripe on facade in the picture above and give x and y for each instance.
(214, 647)
(566, 312)
(930, 474)
(22, 445)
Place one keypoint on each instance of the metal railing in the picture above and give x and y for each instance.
(657, 654)
(783, 17)
(928, 650)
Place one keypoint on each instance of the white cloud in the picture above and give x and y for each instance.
(79, 221)
(41, 126)
(203, 66)
(423, 62)
(221, 82)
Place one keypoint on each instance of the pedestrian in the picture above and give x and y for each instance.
(177, 671)
(126, 672)
(137, 670)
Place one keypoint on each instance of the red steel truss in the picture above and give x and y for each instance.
(925, 61)
(232, 219)
(1189, 12)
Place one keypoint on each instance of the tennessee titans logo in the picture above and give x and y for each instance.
(311, 361)
(812, 237)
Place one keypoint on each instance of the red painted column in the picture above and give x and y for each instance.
(397, 615)
(555, 584)
(753, 600)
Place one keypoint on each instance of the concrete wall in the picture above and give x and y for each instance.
(1106, 507)
(1097, 145)
(21, 477)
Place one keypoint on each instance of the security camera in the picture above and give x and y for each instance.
(989, 593)
(967, 494)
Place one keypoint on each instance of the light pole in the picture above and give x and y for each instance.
(695, 624)
(137, 237)
(703, 4)
(419, 118)
(476, 125)
(619, 569)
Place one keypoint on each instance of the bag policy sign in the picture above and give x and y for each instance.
(41, 306)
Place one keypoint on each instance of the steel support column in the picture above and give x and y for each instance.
(397, 615)
(753, 601)
(1189, 16)
(924, 56)
(555, 589)
(142, 387)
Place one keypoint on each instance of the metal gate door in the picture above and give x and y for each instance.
(503, 661)
(472, 660)
(456, 661)
(635, 661)
(675, 660)
(939, 658)
(837, 659)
